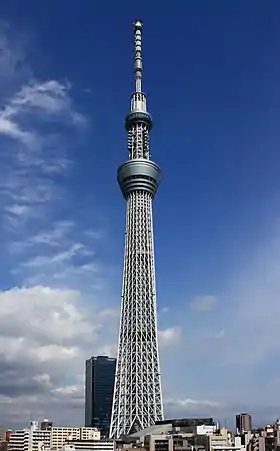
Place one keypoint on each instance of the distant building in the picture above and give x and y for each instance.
(187, 422)
(99, 388)
(46, 424)
(243, 423)
(191, 435)
(166, 437)
(188, 431)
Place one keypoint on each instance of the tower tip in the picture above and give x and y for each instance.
(138, 24)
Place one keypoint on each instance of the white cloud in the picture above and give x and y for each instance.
(204, 303)
(18, 210)
(219, 335)
(55, 258)
(42, 101)
(110, 313)
(49, 98)
(45, 337)
(52, 237)
(58, 233)
(11, 129)
(170, 337)
(31, 123)
(57, 317)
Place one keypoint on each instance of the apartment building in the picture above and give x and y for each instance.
(60, 435)
(29, 439)
(52, 437)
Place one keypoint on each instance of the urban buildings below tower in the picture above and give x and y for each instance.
(137, 394)
(99, 386)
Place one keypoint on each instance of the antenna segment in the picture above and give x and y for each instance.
(138, 66)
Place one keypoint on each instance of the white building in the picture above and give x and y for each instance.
(59, 435)
(19, 440)
(204, 429)
(33, 438)
(223, 441)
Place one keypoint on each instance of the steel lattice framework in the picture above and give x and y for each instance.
(137, 399)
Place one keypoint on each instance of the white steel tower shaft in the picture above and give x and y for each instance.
(137, 399)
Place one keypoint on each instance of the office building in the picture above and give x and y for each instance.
(99, 386)
(243, 423)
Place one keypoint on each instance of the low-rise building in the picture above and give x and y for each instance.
(19, 440)
(49, 437)
(219, 440)
(60, 435)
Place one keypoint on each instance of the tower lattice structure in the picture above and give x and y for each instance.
(137, 399)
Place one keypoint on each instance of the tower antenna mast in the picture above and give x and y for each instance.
(138, 63)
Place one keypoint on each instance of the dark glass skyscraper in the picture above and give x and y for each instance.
(99, 387)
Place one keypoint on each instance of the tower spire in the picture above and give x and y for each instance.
(138, 66)
(138, 122)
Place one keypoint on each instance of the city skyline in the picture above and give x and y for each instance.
(211, 77)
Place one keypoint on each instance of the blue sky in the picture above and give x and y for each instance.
(211, 72)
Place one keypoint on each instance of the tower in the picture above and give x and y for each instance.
(137, 401)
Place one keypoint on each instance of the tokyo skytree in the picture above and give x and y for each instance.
(137, 401)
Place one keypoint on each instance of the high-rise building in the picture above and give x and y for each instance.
(137, 394)
(99, 386)
(243, 423)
